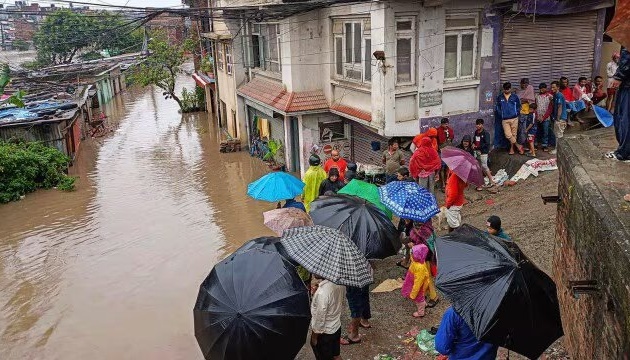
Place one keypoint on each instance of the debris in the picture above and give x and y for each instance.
(384, 357)
(533, 167)
(388, 285)
(627, 197)
(413, 332)
(489, 202)
(500, 177)
(426, 342)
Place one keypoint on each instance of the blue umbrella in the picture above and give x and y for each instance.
(409, 200)
(275, 186)
(603, 115)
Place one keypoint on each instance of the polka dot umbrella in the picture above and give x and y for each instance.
(409, 200)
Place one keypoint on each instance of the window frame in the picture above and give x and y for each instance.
(461, 31)
(264, 55)
(353, 64)
(228, 58)
(220, 58)
(410, 35)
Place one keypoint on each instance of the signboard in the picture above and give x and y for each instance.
(430, 98)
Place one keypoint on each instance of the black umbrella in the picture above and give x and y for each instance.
(365, 224)
(504, 298)
(253, 305)
(270, 243)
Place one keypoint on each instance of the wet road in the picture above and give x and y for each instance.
(111, 271)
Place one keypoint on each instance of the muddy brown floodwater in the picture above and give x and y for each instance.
(111, 271)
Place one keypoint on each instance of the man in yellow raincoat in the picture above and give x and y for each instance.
(312, 180)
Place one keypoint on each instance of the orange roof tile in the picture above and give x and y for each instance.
(274, 95)
(352, 111)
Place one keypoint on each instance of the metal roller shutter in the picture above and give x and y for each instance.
(362, 152)
(552, 47)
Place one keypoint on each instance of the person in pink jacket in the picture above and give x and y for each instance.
(418, 279)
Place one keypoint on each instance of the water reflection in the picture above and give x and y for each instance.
(111, 270)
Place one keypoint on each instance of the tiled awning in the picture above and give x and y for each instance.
(203, 80)
(277, 97)
(352, 112)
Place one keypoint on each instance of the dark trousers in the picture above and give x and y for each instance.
(622, 122)
(327, 346)
(359, 302)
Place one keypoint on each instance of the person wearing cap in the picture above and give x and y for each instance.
(611, 69)
(544, 106)
(494, 227)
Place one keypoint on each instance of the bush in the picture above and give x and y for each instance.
(27, 166)
(21, 45)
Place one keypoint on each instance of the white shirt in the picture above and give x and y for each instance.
(326, 307)
(611, 69)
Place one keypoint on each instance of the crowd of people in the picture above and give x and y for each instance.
(526, 118)
(453, 338)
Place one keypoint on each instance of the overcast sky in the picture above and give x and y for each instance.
(138, 3)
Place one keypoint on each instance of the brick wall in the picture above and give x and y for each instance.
(591, 244)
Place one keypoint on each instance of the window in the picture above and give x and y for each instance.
(332, 131)
(220, 60)
(405, 50)
(228, 58)
(352, 47)
(266, 47)
(460, 47)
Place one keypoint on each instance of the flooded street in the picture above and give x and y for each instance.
(111, 271)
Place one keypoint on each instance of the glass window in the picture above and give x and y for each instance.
(349, 52)
(404, 25)
(228, 58)
(266, 52)
(339, 55)
(450, 57)
(368, 60)
(403, 60)
(357, 43)
(467, 55)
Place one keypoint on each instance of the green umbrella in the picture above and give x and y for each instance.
(365, 191)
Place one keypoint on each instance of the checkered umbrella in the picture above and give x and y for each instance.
(328, 253)
(409, 200)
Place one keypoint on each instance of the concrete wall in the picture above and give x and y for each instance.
(592, 243)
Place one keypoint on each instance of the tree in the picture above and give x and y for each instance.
(162, 66)
(62, 35)
(65, 33)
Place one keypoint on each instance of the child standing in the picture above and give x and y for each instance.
(418, 279)
(532, 129)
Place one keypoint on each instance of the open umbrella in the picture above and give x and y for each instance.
(463, 165)
(504, 298)
(408, 200)
(367, 226)
(604, 116)
(253, 305)
(279, 220)
(275, 186)
(328, 253)
(366, 191)
(619, 27)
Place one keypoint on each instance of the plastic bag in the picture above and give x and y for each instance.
(426, 342)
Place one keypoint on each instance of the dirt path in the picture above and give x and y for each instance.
(530, 223)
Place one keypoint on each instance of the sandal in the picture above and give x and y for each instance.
(432, 303)
(369, 326)
(348, 341)
(417, 315)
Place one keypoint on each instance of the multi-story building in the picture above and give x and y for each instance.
(319, 75)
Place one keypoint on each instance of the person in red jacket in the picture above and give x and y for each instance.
(336, 161)
(455, 199)
(445, 137)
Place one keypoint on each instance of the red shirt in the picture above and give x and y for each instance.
(568, 94)
(340, 164)
(455, 191)
(445, 134)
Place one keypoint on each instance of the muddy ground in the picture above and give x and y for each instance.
(530, 223)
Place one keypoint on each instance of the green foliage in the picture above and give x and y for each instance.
(21, 45)
(162, 66)
(193, 100)
(206, 65)
(91, 55)
(274, 148)
(65, 33)
(27, 166)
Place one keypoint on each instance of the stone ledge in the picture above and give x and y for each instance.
(592, 243)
